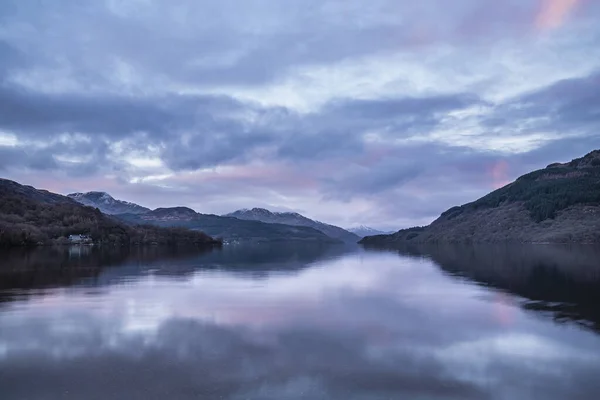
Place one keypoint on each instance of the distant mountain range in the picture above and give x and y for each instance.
(294, 219)
(230, 229)
(557, 204)
(362, 231)
(30, 217)
(256, 225)
(107, 204)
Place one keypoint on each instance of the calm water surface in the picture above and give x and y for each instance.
(288, 322)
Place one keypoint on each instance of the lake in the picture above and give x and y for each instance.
(301, 322)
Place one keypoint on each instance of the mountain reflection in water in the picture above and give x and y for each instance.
(561, 280)
(301, 322)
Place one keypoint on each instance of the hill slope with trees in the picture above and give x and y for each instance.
(557, 204)
(29, 216)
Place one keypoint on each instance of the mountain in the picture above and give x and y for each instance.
(557, 204)
(29, 216)
(107, 204)
(362, 231)
(230, 229)
(295, 219)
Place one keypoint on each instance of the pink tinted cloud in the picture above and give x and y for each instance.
(499, 174)
(554, 13)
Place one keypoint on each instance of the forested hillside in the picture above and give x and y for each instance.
(559, 204)
(34, 217)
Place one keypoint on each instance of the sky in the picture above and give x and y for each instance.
(382, 113)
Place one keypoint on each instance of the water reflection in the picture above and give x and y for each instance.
(560, 281)
(302, 323)
(22, 270)
(52, 267)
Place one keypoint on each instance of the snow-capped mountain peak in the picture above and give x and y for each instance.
(107, 204)
(363, 231)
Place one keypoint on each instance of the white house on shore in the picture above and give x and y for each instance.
(80, 239)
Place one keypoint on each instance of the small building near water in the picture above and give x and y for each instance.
(80, 239)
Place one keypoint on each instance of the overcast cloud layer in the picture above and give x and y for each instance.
(383, 113)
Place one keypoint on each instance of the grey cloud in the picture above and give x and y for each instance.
(10, 58)
(386, 109)
(255, 51)
(320, 144)
(44, 159)
(567, 106)
(368, 182)
(214, 136)
(405, 162)
(570, 104)
(250, 42)
(338, 129)
(560, 150)
(38, 114)
(217, 145)
(9, 156)
(200, 131)
(13, 157)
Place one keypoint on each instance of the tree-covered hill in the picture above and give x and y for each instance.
(560, 203)
(35, 217)
(547, 191)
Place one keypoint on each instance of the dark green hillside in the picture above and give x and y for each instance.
(31, 217)
(557, 204)
(546, 191)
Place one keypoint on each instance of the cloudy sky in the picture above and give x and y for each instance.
(379, 112)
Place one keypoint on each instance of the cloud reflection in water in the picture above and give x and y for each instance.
(365, 325)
